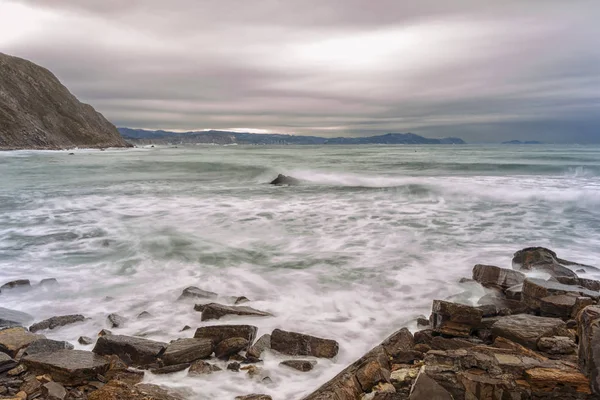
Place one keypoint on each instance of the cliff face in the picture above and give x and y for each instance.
(38, 112)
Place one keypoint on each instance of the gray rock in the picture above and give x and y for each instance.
(70, 367)
(218, 333)
(55, 322)
(514, 292)
(187, 350)
(536, 289)
(283, 180)
(84, 340)
(49, 282)
(132, 350)
(588, 355)
(6, 362)
(454, 319)
(193, 292)
(47, 346)
(54, 391)
(502, 305)
(426, 388)
(170, 369)
(230, 346)
(254, 397)
(300, 365)
(557, 306)
(116, 321)
(12, 340)
(19, 283)
(262, 344)
(542, 259)
(491, 276)
(10, 318)
(38, 112)
(527, 329)
(216, 311)
(557, 345)
(144, 315)
(202, 368)
(298, 344)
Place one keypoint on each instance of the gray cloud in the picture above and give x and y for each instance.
(479, 70)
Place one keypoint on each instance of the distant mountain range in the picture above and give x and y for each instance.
(142, 136)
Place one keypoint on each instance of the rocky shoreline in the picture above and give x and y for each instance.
(535, 334)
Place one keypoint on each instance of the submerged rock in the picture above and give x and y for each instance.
(300, 365)
(132, 350)
(84, 340)
(115, 320)
(216, 311)
(298, 344)
(282, 180)
(70, 367)
(10, 318)
(542, 259)
(170, 369)
(17, 284)
(201, 367)
(192, 292)
(55, 322)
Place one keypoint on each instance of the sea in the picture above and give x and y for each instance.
(356, 252)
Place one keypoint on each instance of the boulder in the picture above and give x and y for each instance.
(115, 320)
(117, 390)
(542, 259)
(10, 318)
(218, 333)
(548, 380)
(283, 180)
(588, 331)
(496, 277)
(426, 388)
(16, 284)
(557, 306)
(298, 344)
(300, 365)
(231, 346)
(47, 346)
(14, 339)
(6, 362)
(454, 319)
(536, 289)
(514, 292)
(442, 343)
(557, 345)
(262, 344)
(202, 368)
(55, 322)
(84, 340)
(399, 344)
(54, 391)
(132, 350)
(71, 367)
(527, 329)
(187, 350)
(216, 311)
(192, 292)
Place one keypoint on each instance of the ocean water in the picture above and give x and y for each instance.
(357, 252)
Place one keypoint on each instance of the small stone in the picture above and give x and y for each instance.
(217, 311)
(262, 344)
(185, 328)
(54, 391)
(116, 321)
(84, 340)
(143, 315)
(18, 370)
(230, 347)
(251, 370)
(300, 365)
(241, 300)
(193, 292)
(44, 378)
(104, 332)
(21, 395)
(202, 368)
(234, 366)
(55, 322)
(298, 344)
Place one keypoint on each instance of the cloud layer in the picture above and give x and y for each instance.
(485, 72)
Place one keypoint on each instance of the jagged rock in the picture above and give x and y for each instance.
(423, 322)
(426, 388)
(423, 336)
(10, 318)
(254, 397)
(536, 289)
(54, 391)
(19, 283)
(262, 344)
(549, 379)
(300, 365)
(202, 368)
(588, 331)
(230, 346)
(38, 112)
(298, 344)
(119, 371)
(282, 180)
(527, 329)
(115, 320)
(542, 259)
(18, 370)
(14, 339)
(502, 305)
(218, 333)
(31, 386)
(399, 346)
(234, 366)
(558, 306)
(55, 322)
(47, 346)
(170, 369)
(84, 340)
(116, 390)
(454, 319)
(187, 350)
(442, 343)
(132, 350)
(192, 292)
(6, 362)
(70, 367)
(241, 300)
(580, 304)
(216, 311)
(557, 345)
(514, 292)
(496, 277)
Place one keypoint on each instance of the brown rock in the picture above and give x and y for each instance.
(19, 283)
(557, 306)
(231, 346)
(84, 340)
(218, 333)
(536, 289)
(454, 319)
(263, 343)
(54, 391)
(193, 292)
(423, 336)
(170, 369)
(491, 276)
(442, 343)
(6, 362)
(297, 344)
(115, 320)
(370, 374)
(70, 367)
(542, 259)
(254, 397)
(216, 311)
(116, 390)
(133, 350)
(580, 304)
(14, 339)
(503, 305)
(548, 379)
(399, 345)
(514, 292)
(300, 365)
(557, 345)
(588, 331)
(187, 350)
(202, 368)
(127, 375)
(527, 329)
(55, 322)
(426, 388)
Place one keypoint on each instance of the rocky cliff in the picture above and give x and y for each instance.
(38, 112)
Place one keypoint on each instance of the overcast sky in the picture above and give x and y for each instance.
(480, 70)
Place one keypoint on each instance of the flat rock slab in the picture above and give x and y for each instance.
(216, 311)
(6, 362)
(14, 339)
(47, 346)
(187, 350)
(298, 344)
(300, 365)
(132, 350)
(454, 319)
(263, 343)
(218, 333)
(527, 329)
(71, 367)
(231, 346)
(10, 318)
(557, 306)
(548, 379)
(536, 289)
(55, 322)
(192, 292)
(116, 390)
(492, 276)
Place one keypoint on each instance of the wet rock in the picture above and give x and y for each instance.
(454, 319)
(116, 390)
(202, 368)
(580, 304)
(55, 322)
(104, 332)
(47, 346)
(115, 320)
(6, 362)
(423, 336)
(70, 367)
(170, 369)
(54, 391)
(558, 306)
(49, 282)
(549, 379)
(254, 397)
(10, 318)
(127, 375)
(18, 370)
(240, 300)
(216, 311)
(234, 366)
(193, 292)
(262, 344)
(588, 331)
(133, 350)
(84, 340)
(536, 289)
(372, 373)
(16, 284)
(488, 310)
(186, 328)
(144, 315)
(300, 365)
(426, 388)
(399, 346)
(297, 344)
(31, 386)
(423, 322)
(14, 339)
(442, 343)
(502, 305)
(283, 180)
(527, 329)
(218, 333)
(496, 277)
(230, 346)
(542, 259)
(187, 350)
(557, 345)
(514, 292)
